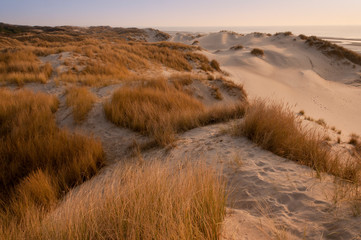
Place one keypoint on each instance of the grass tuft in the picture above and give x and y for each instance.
(81, 100)
(257, 52)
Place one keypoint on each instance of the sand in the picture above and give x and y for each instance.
(291, 72)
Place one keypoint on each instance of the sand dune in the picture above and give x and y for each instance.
(269, 197)
(292, 72)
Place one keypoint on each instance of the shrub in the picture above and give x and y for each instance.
(257, 52)
(81, 100)
(275, 128)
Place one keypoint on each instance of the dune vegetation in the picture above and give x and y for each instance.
(156, 200)
(257, 52)
(92, 61)
(81, 100)
(158, 109)
(39, 161)
(152, 201)
(236, 47)
(22, 66)
(276, 128)
(331, 49)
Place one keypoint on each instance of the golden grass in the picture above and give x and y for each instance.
(276, 128)
(98, 62)
(156, 200)
(81, 100)
(39, 162)
(159, 110)
(117, 61)
(21, 66)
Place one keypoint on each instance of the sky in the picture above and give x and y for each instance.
(169, 13)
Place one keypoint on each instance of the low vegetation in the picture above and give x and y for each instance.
(276, 128)
(333, 50)
(257, 52)
(39, 162)
(158, 109)
(237, 47)
(156, 200)
(355, 140)
(22, 66)
(91, 61)
(81, 100)
(216, 93)
(215, 65)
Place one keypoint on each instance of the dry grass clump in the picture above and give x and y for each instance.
(215, 65)
(355, 140)
(180, 80)
(276, 128)
(155, 200)
(81, 100)
(39, 162)
(237, 47)
(257, 52)
(216, 93)
(333, 50)
(21, 65)
(159, 110)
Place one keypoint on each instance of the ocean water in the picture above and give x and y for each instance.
(347, 36)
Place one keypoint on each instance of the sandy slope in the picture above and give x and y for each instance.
(291, 72)
(269, 196)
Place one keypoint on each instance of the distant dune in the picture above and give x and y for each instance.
(290, 71)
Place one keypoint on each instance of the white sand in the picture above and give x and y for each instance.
(291, 72)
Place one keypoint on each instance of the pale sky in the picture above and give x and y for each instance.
(162, 13)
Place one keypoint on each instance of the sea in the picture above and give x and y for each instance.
(346, 36)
